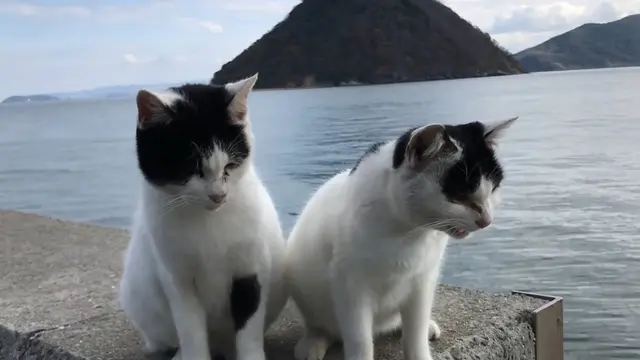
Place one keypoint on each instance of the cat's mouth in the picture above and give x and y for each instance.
(211, 206)
(458, 233)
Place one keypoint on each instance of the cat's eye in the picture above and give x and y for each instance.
(475, 207)
(469, 204)
(230, 166)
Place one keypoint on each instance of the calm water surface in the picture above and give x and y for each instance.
(568, 224)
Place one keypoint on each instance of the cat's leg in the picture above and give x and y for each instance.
(388, 325)
(145, 304)
(248, 310)
(395, 322)
(148, 312)
(315, 341)
(354, 314)
(190, 319)
(416, 321)
(313, 345)
(222, 344)
(434, 330)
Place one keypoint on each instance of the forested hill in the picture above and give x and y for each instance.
(613, 44)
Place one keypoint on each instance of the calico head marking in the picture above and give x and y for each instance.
(193, 141)
(450, 175)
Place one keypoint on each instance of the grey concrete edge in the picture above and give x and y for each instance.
(513, 338)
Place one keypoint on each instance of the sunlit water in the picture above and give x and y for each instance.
(568, 225)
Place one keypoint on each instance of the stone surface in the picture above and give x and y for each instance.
(58, 301)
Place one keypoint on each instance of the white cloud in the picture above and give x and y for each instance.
(210, 26)
(130, 58)
(99, 12)
(265, 6)
(557, 16)
(72, 72)
(523, 23)
(517, 41)
(136, 12)
(26, 9)
(180, 58)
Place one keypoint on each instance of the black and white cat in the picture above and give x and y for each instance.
(205, 263)
(365, 254)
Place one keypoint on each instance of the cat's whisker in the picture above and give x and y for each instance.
(175, 199)
(231, 148)
(175, 206)
(197, 148)
(177, 202)
(433, 225)
(475, 167)
(495, 170)
(179, 197)
(467, 173)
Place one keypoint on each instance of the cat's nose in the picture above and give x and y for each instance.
(218, 198)
(483, 222)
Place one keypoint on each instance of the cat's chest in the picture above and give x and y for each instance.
(209, 255)
(399, 266)
(395, 260)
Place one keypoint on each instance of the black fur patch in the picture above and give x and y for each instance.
(478, 160)
(401, 147)
(171, 153)
(370, 151)
(245, 299)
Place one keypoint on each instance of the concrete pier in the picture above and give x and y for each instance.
(58, 301)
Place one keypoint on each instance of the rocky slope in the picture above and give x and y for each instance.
(342, 42)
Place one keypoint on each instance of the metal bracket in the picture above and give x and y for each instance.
(548, 326)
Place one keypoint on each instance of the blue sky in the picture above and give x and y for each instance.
(67, 45)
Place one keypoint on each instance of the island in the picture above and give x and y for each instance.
(16, 99)
(590, 46)
(352, 42)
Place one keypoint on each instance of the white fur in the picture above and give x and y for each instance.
(365, 254)
(184, 251)
(495, 130)
(241, 89)
(167, 98)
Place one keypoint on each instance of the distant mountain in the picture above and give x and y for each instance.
(105, 92)
(348, 42)
(28, 98)
(613, 44)
(112, 92)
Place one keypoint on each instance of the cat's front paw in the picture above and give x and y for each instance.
(311, 348)
(434, 331)
(159, 353)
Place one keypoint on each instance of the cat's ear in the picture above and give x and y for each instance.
(240, 91)
(495, 130)
(428, 143)
(152, 108)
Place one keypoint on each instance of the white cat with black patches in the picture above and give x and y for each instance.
(365, 254)
(203, 271)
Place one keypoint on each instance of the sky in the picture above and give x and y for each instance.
(67, 45)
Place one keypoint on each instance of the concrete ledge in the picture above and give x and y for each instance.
(58, 301)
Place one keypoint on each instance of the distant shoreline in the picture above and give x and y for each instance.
(53, 98)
